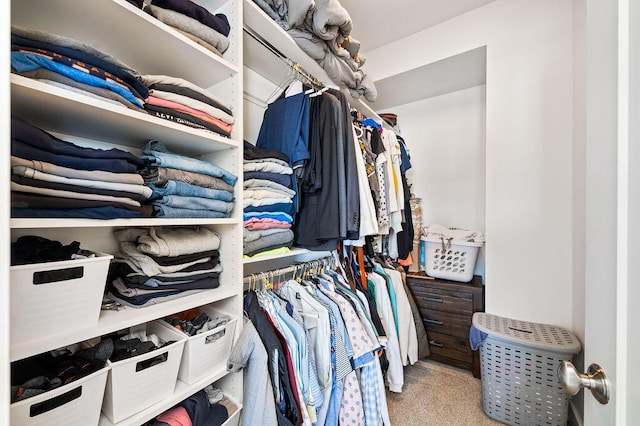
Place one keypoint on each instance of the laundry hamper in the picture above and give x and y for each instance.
(450, 259)
(519, 362)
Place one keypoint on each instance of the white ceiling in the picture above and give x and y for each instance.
(376, 23)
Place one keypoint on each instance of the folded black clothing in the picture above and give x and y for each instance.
(184, 118)
(185, 258)
(30, 249)
(135, 280)
(123, 349)
(251, 152)
(39, 183)
(45, 203)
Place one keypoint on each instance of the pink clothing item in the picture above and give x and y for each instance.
(152, 100)
(254, 224)
(175, 417)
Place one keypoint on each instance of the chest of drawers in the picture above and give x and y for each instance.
(446, 308)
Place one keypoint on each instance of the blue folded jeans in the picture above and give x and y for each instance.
(155, 154)
(176, 187)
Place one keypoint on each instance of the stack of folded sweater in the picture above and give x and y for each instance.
(51, 177)
(184, 102)
(157, 264)
(193, 21)
(186, 187)
(269, 201)
(75, 66)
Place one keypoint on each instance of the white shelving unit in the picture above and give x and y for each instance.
(267, 65)
(147, 45)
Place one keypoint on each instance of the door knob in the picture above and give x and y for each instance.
(595, 380)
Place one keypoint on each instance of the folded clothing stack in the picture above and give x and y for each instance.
(193, 21)
(186, 187)
(51, 177)
(65, 62)
(269, 201)
(184, 102)
(158, 264)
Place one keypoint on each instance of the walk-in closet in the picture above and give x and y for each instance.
(320, 213)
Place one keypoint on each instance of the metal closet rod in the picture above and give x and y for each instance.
(308, 78)
(288, 271)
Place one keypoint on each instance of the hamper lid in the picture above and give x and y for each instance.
(530, 334)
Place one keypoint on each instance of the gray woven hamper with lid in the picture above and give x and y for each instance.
(519, 362)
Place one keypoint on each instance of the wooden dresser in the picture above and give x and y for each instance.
(446, 308)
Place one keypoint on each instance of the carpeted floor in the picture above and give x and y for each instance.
(436, 394)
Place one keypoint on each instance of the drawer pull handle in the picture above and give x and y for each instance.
(434, 322)
(433, 299)
(436, 344)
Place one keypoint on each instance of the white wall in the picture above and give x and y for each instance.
(446, 138)
(529, 131)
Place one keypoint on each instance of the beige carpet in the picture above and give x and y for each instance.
(436, 394)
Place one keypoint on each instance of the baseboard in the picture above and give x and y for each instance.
(575, 417)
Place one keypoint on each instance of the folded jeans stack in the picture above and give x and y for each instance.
(158, 264)
(186, 187)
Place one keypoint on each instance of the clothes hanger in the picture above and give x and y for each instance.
(319, 92)
(359, 131)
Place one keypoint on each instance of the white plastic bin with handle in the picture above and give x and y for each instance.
(141, 381)
(74, 404)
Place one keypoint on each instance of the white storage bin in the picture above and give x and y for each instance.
(54, 297)
(134, 384)
(75, 404)
(450, 259)
(234, 418)
(206, 352)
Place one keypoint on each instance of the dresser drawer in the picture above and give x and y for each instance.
(441, 299)
(456, 348)
(446, 323)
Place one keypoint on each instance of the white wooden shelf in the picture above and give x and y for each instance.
(182, 391)
(63, 111)
(292, 253)
(111, 321)
(37, 223)
(134, 37)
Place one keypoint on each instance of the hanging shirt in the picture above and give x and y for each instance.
(249, 353)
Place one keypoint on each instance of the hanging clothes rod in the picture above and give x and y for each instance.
(304, 75)
(288, 272)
